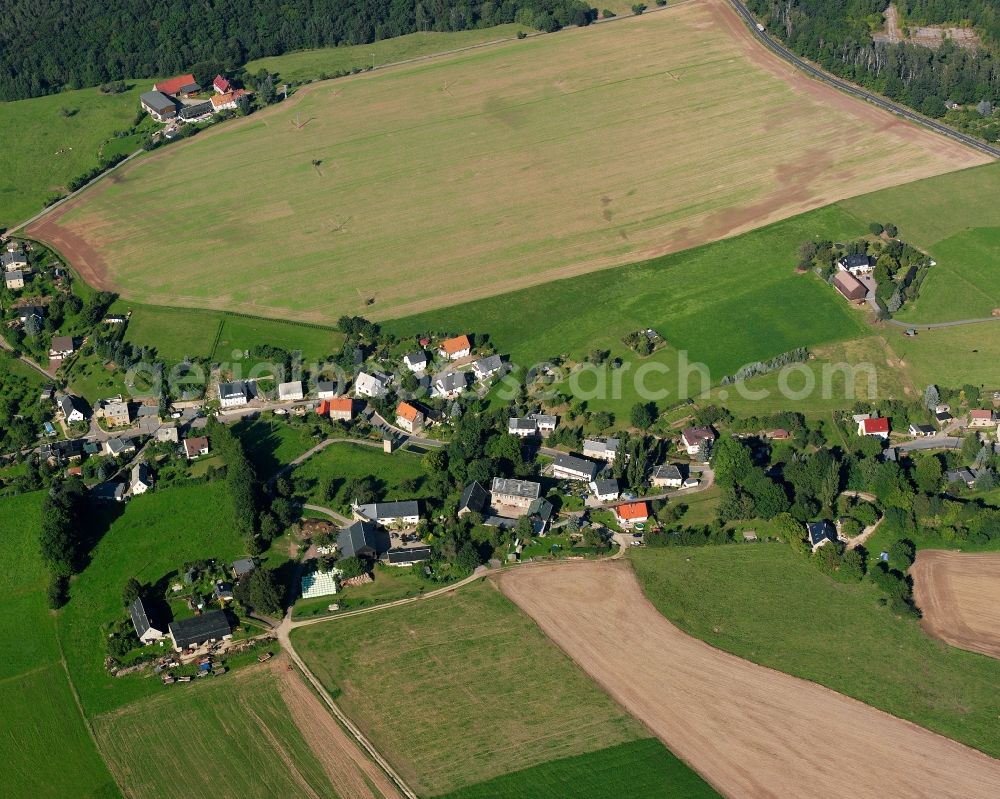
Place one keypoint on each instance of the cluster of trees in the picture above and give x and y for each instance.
(241, 483)
(747, 490)
(101, 42)
(61, 538)
(798, 355)
(838, 36)
(21, 414)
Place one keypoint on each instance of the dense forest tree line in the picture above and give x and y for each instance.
(837, 34)
(46, 45)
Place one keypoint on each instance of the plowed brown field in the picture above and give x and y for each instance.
(749, 730)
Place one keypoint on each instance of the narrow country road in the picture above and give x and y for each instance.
(26, 360)
(936, 325)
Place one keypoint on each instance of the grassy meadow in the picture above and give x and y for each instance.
(44, 149)
(696, 141)
(270, 445)
(953, 356)
(45, 747)
(467, 673)
(837, 635)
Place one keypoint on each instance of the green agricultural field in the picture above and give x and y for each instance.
(639, 770)
(40, 721)
(462, 673)
(953, 356)
(232, 736)
(240, 333)
(175, 333)
(308, 65)
(769, 605)
(149, 538)
(346, 200)
(44, 149)
(341, 463)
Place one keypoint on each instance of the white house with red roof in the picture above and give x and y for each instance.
(221, 85)
(877, 426)
(981, 417)
(631, 513)
(455, 348)
(694, 438)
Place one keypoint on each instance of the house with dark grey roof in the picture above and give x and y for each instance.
(195, 111)
(963, 475)
(243, 566)
(144, 628)
(540, 512)
(233, 394)
(408, 557)
(522, 426)
(389, 514)
(13, 259)
(142, 479)
(196, 630)
(415, 361)
(109, 492)
(475, 499)
(326, 389)
(569, 467)
(362, 539)
(820, 533)
(545, 422)
(72, 408)
(449, 384)
(119, 446)
(516, 493)
(13, 279)
(605, 490)
(601, 449)
(487, 367)
(856, 264)
(667, 476)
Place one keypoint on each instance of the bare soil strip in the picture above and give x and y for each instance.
(750, 731)
(959, 595)
(351, 773)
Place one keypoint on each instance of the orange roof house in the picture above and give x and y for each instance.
(406, 411)
(453, 348)
(632, 512)
(340, 407)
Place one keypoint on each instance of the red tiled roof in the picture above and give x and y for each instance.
(877, 425)
(457, 344)
(340, 404)
(981, 413)
(407, 411)
(221, 84)
(174, 85)
(632, 510)
(324, 408)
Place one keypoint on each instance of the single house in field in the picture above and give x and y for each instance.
(326, 389)
(166, 435)
(389, 514)
(362, 539)
(605, 490)
(197, 630)
(341, 408)
(522, 427)
(409, 417)
(475, 499)
(291, 391)
(602, 450)
(877, 426)
(14, 279)
(631, 513)
(856, 264)
(667, 476)
(850, 287)
(142, 479)
(516, 493)
(158, 105)
(981, 417)
(569, 467)
(179, 86)
(966, 476)
(72, 408)
(61, 347)
(415, 361)
(144, 628)
(487, 367)
(316, 583)
(545, 423)
(820, 533)
(232, 395)
(922, 430)
(243, 567)
(371, 385)
(220, 85)
(449, 385)
(195, 447)
(696, 439)
(109, 492)
(408, 557)
(452, 349)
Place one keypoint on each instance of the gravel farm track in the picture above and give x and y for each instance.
(748, 730)
(959, 596)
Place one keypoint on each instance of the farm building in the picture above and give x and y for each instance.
(454, 348)
(220, 85)
(388, 514)
(850, 287)
(362, 539)
(228, 101)
(407, 557)
(158, 105)
(194, 112)
(196, 630)
(179, 86)
(144, 628)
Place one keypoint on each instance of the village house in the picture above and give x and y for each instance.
(362, 539)
(371, 385)
(545, 423)
(114, 412)
(515, 493)
(569, 467)
(487, 367)
(14, 259)
(449, 384)
(291, 391)
(228, 101)
(389, 514)
(454, 348)
(243, 567)
(146, 631)
(25, 312)
(475, 499)
(409, 556)
(981, 417)
(877, 426)
(142, 479)
(820, 533)
(922, 430)
(630, 514)
(14, 279)
(61, 347)
(119, 446)
(667, 476)
(850, 287)
(522, 427)
(195, 447)
(415, 361)
(326, 389)
(341, 408)
(109, 492)
(695, 439)
(196, 630)
(180, 86)
(603, 450)
(220, 85)
(409, 417)
(167, 435)
(72, 408)
(963, 475)
(605, 490)
(856, 264)
(232, 395)
(943, 417)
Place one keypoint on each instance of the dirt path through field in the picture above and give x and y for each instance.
(748, 730)
(959, 595)
(351, 773)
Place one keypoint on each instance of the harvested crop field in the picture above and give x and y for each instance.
(428, 184)
(748, 730)
(959, 595)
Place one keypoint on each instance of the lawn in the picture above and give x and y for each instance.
(270, 444)
(391, 583)
(231, 736)
(401, 190)
(638, 769)
(308, 65)
(44, 149)
(240, 333)
(341, 463)
(953, 356)
(768, 605)
(462, 673)
(40, 720)
(152, 536)
(176, 333)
